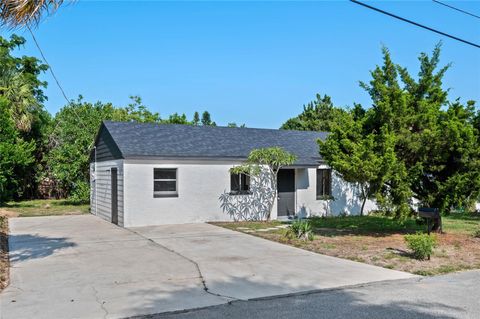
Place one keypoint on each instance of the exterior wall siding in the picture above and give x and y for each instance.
(105, 147)
(101, 189)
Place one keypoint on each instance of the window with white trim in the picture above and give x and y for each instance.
(165, 182)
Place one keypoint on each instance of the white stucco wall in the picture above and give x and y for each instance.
(199, 187)
(346, 196)
(101, 189)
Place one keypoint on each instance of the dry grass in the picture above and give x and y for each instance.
(380, 241)
(4, 264)
(43, 207)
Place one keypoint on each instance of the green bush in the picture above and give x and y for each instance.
(300, 229)
(421, 244)
(476, 233)
(81, 193)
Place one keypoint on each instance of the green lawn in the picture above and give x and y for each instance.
(46, 207)
(371, 224)
(466, 223)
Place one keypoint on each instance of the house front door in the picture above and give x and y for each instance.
(286, 193)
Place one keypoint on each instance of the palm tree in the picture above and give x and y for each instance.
(17, 13)
(16, 89)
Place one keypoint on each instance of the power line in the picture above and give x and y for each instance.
(58, 83)
(455, 8)
(416, 24)
(48, 64)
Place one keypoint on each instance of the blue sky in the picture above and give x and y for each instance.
(247, 62)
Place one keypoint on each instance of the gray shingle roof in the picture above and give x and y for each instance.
(147, 140)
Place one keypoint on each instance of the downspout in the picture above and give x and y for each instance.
(95, 180)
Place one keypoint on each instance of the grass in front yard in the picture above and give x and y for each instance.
(3, 252)
(379, 241)
(43, 207)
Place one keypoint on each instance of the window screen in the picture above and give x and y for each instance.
(165, 182)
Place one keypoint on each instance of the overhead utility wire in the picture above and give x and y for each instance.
(457, 9)
(55, 78)
(416, 24)
(48, 64)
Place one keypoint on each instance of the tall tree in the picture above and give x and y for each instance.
(176, 118)
(136, 111)
(20, 83)
(435, 144)
(318, 115)
(196, 118)
(21, 87)
(365, 161)
(206, 119)
(15, 153)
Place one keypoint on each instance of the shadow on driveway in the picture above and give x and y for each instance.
(25, 246)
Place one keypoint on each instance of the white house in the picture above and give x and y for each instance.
(151, 174)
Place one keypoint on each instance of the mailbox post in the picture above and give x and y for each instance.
(431, 214)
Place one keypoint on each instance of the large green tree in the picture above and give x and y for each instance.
(318, 115)
(21, 87)
(72, 139)
(15, 153)
(436, 150)
(435, 138)
(365, 161)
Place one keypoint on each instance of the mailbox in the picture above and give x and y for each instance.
(427, 212)
(431, 214)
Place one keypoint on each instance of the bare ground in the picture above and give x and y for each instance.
(4, 262)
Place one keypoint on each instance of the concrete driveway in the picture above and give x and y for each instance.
(84, 267)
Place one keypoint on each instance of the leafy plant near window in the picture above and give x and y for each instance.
(271, 160)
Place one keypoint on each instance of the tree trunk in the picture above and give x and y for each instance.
(274, 188)
(364, 200)
(363, 205)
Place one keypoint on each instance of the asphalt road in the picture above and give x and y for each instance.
(449, 296)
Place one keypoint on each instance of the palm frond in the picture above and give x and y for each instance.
(16, 13)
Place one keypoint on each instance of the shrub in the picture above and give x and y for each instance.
(476, 233)
(300, 229)
(421, 244)
(81, 193)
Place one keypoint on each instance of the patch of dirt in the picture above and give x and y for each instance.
(7, 213)
(4, 261)
(454, 252)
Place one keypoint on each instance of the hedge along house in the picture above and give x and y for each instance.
(151, 174)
